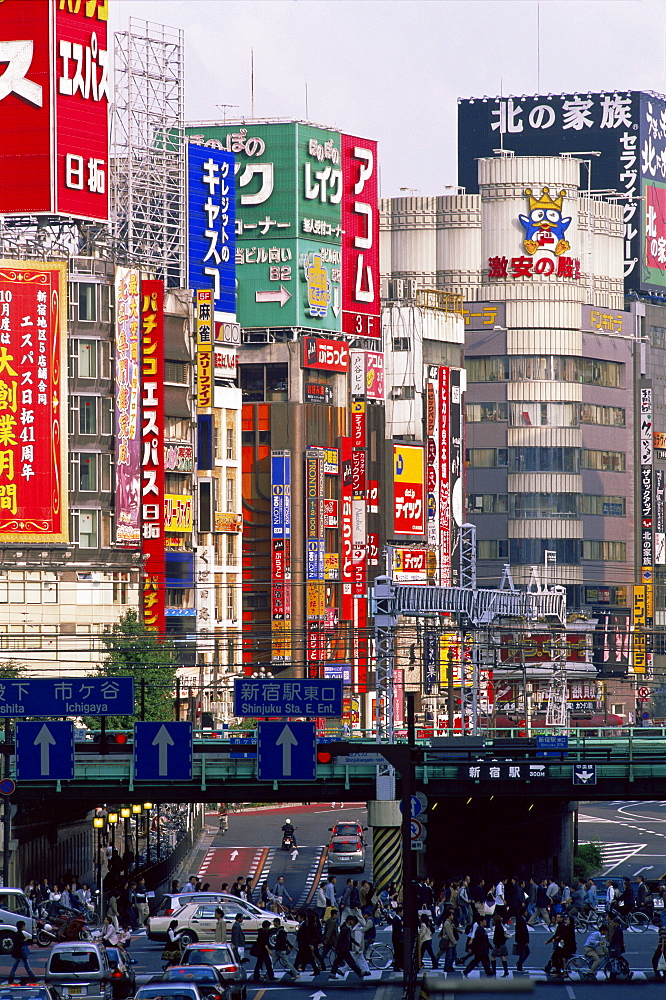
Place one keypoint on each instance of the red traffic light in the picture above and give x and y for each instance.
(120, 738)
(324, 757)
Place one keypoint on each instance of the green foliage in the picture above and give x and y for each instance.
(11, 668)
(588, 860)
(133, 651)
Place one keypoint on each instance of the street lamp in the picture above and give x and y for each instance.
(136, 809)
(148, 806)
(125, 813)
(99, 823)
(113, 820)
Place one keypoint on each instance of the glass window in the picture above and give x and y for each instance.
(87, 414)
(476, 412)
(611, 416)
(252, 383)
(603, 461)
(87, 529)
(87, 302)
(87, 356)
(16, 588)
(88, 473)
(604, 550)
(231, 602)
(603, 506)
(175, 372)
(492, 548)
(402, 344)
(491, 369)
(545, 505)
(231, 443)
(33, 588)
(604, 373)
(231, 549)
(530, 551)
(527, 414)
(50, 588)
(544, 459)
(231, 494)
(487, 503)
(276, 382)
(486, 458)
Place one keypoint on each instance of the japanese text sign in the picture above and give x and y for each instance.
(152, 454)
(360, 242)
(58, 696)
(128, 432)
(265, 696)
(211, 225)
(408, 490)
(33, 439)
(204, 330)
(54, 100)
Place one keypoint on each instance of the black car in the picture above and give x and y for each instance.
(123, 978)
(206, 978)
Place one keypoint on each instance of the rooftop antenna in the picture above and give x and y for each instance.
(224, 110)
(306, 100)
(252, 79)
(538, 46)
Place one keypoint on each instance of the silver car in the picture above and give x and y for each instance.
(346, 854)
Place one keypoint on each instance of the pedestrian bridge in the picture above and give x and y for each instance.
(599, 767)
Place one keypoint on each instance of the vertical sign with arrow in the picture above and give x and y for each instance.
(44, 751)
(163, 751)
(286, 750)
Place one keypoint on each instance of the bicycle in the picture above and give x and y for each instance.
(587, 921)
(579, 968)
(636, 922)
(380, 955)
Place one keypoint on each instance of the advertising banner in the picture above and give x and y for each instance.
(325, 355)
(408, 490)
(533, 647)
(659, 528)
(410, 565)
(314, 533)
(281, 555)
(152, 455)
(346, 525)
(639, 621)
(444, 424)
(288, 222)
(128, 432)
(360, 241)
(204, 331)
(432, 415)
(178, 512)
(178, 458)
(211, 225)
(54, 103)
(367, 374)
(33, 401)
(456, 471)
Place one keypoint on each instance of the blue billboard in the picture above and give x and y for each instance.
(211, 226)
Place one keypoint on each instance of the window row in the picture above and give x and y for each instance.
(539, 505)
(557, 459)
(528, 414)
(90, 529)
(90, 302)
(91, 415)
(89, 359)
(533, 368)
(90, 472)
(264, 383)
(531, 551)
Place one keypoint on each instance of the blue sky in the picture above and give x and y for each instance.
(392, 70)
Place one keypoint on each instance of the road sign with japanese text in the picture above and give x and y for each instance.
(262, 696)
(60, 696)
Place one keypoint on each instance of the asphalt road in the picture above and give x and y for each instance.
(632, 836)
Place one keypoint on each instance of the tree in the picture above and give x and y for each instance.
(588, 860)
(133, 651)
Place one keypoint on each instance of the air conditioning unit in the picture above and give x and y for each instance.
(258, 337)
(402, 288)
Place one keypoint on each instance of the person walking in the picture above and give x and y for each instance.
(330, 933)
(521, 940)
(397, 939)
(320, 901)
(306, 952)
(343, 949)
(261, 951)
(448, 941)
(659, 955)
(480, 948)
(238, 935)
(500, 949)
(171, 953)
(141, 901)
(20, 952)
(329, 892)
(541, 911)
(220, 926)
(281, 947)
(555, 964)
(281, 894)
(425, 941)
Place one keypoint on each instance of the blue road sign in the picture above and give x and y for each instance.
(286, 750)
(7, 786)
(58, 696)
(163, 751)
(552, 742)
(264, 696)
(44, 751)
(585, 774)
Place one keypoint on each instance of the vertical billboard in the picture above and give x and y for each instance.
(204, 333)
(549, 125)
(652, 163)
(281, 556)
(408, 490)
(288, 222)
(360, 242)
(54, 101)
(33, 401)
(211, 225)
(152, 455)
(346, 530)
(128, 435)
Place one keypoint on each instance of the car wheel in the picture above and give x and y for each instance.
(187, 938)
(6, 942)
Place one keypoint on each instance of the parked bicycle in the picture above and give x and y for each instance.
(579, 968)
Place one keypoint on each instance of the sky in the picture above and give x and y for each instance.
(393, 70)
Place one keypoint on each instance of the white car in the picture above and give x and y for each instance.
(196, 921)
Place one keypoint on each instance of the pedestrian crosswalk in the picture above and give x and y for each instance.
(616, 854)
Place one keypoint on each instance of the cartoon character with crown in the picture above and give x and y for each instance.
(545, 223)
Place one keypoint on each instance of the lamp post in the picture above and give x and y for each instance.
(112, 819)
(99, 824)
(125, 813)
(136, 809)
(147, 806)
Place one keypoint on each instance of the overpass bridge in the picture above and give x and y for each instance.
(631, 766)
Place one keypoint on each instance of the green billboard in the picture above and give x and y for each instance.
(288, 222)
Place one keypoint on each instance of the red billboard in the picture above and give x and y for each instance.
(152, 455)
(54, 102)
(360, 240)
(33, 440)
(325, 355)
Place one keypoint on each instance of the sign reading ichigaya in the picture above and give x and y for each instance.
(54, 108)
(33, 438)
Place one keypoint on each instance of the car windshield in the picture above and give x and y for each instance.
(24, 994)
(346, 829)
(197, 975)
(344, 846)
(207, 956)
(157, 992)
(74, 961)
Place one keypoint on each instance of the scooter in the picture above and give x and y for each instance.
(288, 842)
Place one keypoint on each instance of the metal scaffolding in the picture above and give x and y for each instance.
(148, 184)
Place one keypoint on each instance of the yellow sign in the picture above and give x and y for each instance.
(331, 566)
(228, 522)
(281, 640)
(315, 599)
(178, 512)
(204, 331)
(639, 622)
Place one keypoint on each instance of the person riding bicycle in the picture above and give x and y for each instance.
(595, 947)
(626, 901)
(616, 948)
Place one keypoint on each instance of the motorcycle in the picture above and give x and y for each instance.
(64, 925)
(288, 842)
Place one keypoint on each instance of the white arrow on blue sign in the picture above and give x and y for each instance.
(585, 774)
(44, 751)
(163, 751)
(286, 750)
